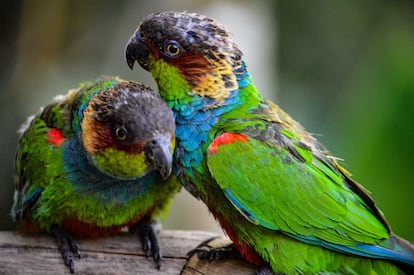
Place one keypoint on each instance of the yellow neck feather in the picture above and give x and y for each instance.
(121, 164)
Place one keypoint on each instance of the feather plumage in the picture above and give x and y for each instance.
(277, 192)
(95, 161)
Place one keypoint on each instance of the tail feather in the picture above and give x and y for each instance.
(406, 250)
(394, 249)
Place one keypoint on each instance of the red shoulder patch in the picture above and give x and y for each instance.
(225, 138)
(55, 137)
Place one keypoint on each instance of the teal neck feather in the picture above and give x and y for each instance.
(86, 179)
(195, 121)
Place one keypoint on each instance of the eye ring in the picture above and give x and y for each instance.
(172, 49)
(121, 133)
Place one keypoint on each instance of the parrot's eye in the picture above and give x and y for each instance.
(172, 49)
(121, 133)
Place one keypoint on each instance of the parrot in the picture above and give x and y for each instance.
(286, 203)
(95, 162)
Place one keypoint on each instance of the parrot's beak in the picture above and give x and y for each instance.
(136, 50)
(158, 152)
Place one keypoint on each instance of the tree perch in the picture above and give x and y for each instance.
(122, 254)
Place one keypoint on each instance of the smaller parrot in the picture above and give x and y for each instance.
(94, 162)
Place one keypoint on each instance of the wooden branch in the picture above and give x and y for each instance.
(122, 254)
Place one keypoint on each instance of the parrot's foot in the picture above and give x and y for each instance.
(148, 230)
(265, 270)
(67, 246)
(207, 250)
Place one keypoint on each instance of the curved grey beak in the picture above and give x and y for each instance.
(136, 50)
(159, 154)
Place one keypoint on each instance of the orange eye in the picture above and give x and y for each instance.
(172, 49)
(121, 133)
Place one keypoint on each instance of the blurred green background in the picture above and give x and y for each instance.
(344, 69)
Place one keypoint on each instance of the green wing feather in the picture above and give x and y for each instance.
(37, 158)
(285, 187)
(39, 163)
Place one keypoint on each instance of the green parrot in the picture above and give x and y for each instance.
(281, 197)
(94, 162)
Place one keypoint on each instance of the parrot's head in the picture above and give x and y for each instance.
(127, 130)
(187, 54)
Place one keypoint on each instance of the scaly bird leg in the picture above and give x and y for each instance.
(147, 231)
(67, 246)
(266, 270)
